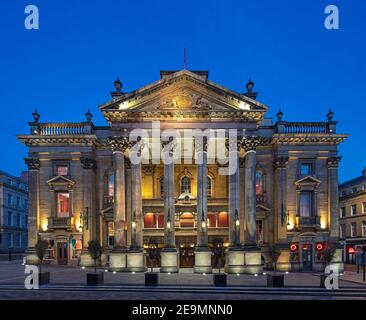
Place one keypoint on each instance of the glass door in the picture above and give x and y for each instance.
(307, 257)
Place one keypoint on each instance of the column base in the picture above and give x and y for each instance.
(169, 260)
(31, 257)
(202, 261)
(253, 261)
(85, 259)
(117, 260)
(337, 262)
(136, 260)
(235, 260)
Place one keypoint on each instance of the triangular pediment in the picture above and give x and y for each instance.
(186, 93)
(60, 180)
(308, 180)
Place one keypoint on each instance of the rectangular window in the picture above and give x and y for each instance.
(161, 221)
(62, 170)
(211, 220)
(364, 228)
(353, 209)
(342, 231)
(364, 207)
(306, 168)
(18, 201)
(343, 212)
(149, 220)
(10, 218)
(354, 190)
(10, 199)
(223, 220)
(18, 220)
(26, 221)
(10, 240)
(306, 204)
(63, 205)
(353, 229)
(19, 240)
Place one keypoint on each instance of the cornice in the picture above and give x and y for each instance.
(325, 139)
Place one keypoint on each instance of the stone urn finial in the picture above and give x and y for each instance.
(88, 116)
(250, 85)
(330, 115)
(279, 115)
(36, 116)
(118, 85)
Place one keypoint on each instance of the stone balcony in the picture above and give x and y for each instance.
(308, 222)
(60, 223)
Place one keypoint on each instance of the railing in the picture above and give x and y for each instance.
(303, 127)
(58, 129)
(309, 221)
(59, 223)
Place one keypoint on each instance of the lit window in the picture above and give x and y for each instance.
(354, 209)
(306, 204)
(223, 220)
(161, 221)
(62, 170)
(353, 229)
(212, 220)
(342, 231)
(185, 185)
(364, 228)
(63, 205)
(111, 185)
(343, 212)
(306, 168)
(149, 220)
(259, 183)
(186, 220)
(110, 233)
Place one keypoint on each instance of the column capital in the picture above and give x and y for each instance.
(119, 143)
(332, 162)
(88, 163)
(148, 169)
(280, 162)
(32, 163)
(201, 144)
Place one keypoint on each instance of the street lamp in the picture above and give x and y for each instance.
(134, 226)
(168, 222)
(237, 224)
(203, 221)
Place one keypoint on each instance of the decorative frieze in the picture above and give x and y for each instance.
(250, 143)
(119, 143)
(148, 169)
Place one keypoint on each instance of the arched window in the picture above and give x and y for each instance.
(185, 185)
(161, 184)
(259, 184)
(209, 187)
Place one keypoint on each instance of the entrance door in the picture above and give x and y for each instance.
(62, 253)
(186, 257)
(307, 257)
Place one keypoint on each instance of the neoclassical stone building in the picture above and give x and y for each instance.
(83, 184)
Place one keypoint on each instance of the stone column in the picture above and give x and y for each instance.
(33, 214)
(88, 216)
(169, 255)
(280, 209)
(135, 257)
(281, 212)
(333, 212)
(253, 263)
(202, 252)
(235, 254)
(118, 255)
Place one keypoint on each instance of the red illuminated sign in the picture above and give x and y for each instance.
(293, 247)
(351, 250)
(319, 246)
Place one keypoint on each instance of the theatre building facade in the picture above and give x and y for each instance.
(85, 184)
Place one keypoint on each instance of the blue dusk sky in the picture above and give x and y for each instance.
(71, 62)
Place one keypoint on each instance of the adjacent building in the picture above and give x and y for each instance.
(13, 212)
(352, 217)
(85, 182)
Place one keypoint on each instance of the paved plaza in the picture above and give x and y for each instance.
(69, 283)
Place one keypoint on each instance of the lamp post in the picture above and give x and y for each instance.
(134, 226)
(203, 222)
(168, 223)
(237, 225)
